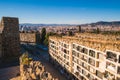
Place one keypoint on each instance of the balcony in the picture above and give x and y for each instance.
(110, 66)
(91, 61)
(75, 60)
(92, 70)
(85, 66)
(80, 56)
(66, 46)
(84, 50)
(109, 76)
(77, 74)
(84, 73)
(82, 78)
(73, 46)
(78, 48)
(99, 74)
(118, 71)
(79, 69)
(111, 56)
(118, 78)
(101, 56)
(92, 53)
(84, 58)
(90, 77)
(74, 53)
(65, 51)
(119, 58)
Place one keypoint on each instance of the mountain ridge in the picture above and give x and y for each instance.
(94, 23)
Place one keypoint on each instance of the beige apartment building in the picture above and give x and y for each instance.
(87, 56)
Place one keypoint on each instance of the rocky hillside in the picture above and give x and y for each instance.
(33, 70)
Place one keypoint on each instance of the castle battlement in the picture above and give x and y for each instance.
(9, 29)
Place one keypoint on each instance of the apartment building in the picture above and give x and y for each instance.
(87, 56)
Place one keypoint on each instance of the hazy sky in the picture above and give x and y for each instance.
(61, 11)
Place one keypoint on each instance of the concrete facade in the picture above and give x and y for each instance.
(88, 56)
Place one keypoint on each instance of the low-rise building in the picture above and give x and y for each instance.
(87, 56)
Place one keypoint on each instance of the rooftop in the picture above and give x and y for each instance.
(96, 41)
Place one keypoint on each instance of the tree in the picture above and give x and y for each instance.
(70, 33)
(46, 41)
(98, 31)
(79, 29)
(43, 34)
(38, 37)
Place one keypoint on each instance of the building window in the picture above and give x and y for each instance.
(79, 69)
(119, 58)
(92, 53)
(110, 66)
(99, 74)
(111, 56)
(109, 76)
(78, 48)
(73, 53)
(84, 50)
(118, 70)
(91, 61)
(118, 78)
(74, 46)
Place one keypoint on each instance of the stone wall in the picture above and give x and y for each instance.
(9, 28)
(30, 37)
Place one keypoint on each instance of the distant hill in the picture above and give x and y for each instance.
(108, 23)
(40, 25)
(104, 23)
(96, 23)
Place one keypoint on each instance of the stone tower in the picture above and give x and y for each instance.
(9, 28)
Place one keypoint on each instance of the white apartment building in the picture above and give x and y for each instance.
(88, 56)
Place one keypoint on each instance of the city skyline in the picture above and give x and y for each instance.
(61, 11)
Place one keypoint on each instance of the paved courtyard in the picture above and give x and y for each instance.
(9, 73)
